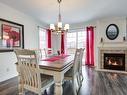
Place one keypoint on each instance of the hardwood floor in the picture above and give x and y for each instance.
(95, 83)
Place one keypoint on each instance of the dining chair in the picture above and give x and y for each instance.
(48, 52)
(71, 50)
(73, 73)
(38, 53)
(80, 67)
(29, 73)
(58, 52)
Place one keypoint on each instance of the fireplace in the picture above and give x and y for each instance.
(114, 61)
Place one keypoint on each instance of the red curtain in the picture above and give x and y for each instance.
(89, 46)
(62, 42)
(48, 38)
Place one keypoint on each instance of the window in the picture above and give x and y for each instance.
(76, 40)
(42, 40)
(81, 39)
(71, 40)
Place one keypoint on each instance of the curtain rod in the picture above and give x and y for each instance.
(78, 28)
(42, 27)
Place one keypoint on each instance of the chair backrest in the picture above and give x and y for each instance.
(76, 61)
(48, 52)
(81, 56)
(58, 52)
(71, 50)
(39, 53)
(28, 68)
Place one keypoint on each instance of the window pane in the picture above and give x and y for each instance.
(74, 38)
(42, 38)
(81, 39)
(71, 40)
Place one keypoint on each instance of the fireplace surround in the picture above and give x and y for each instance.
(114, 52)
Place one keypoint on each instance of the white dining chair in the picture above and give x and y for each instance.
(29, 73)
(71, 50)
(73, 73)
(80, 67)
(48, 52)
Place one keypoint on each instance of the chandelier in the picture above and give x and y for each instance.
(58, 27)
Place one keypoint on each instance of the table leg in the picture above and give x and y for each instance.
(58, 78)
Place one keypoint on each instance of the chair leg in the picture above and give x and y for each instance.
(20, 85)
(82, 77)
(74, 88)
(78, 80)
(45, 92)
(75, 85)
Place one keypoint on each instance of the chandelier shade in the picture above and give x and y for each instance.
(58, 27)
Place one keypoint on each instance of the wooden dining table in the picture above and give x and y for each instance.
(57, 68)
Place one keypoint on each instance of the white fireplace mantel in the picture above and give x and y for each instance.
(112, 48)
(113, 45)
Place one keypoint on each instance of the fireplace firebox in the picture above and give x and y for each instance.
(114, 61)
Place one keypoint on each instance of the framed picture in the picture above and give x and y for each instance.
(11, 35)
(112, 31)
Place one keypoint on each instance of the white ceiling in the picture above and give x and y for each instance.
(72, 11)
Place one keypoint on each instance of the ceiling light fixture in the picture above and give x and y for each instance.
(58, 28)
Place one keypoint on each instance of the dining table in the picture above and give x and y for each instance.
(56, 66)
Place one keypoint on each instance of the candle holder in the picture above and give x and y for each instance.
(124, 38)
(101, 40)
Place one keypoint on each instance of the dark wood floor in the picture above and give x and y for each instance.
(95, 83)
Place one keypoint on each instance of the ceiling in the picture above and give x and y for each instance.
(72, 11)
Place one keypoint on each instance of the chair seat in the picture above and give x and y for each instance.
(46, 79)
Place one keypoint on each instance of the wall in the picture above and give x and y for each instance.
(101, 33)
(7, 59)
(120, 22)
